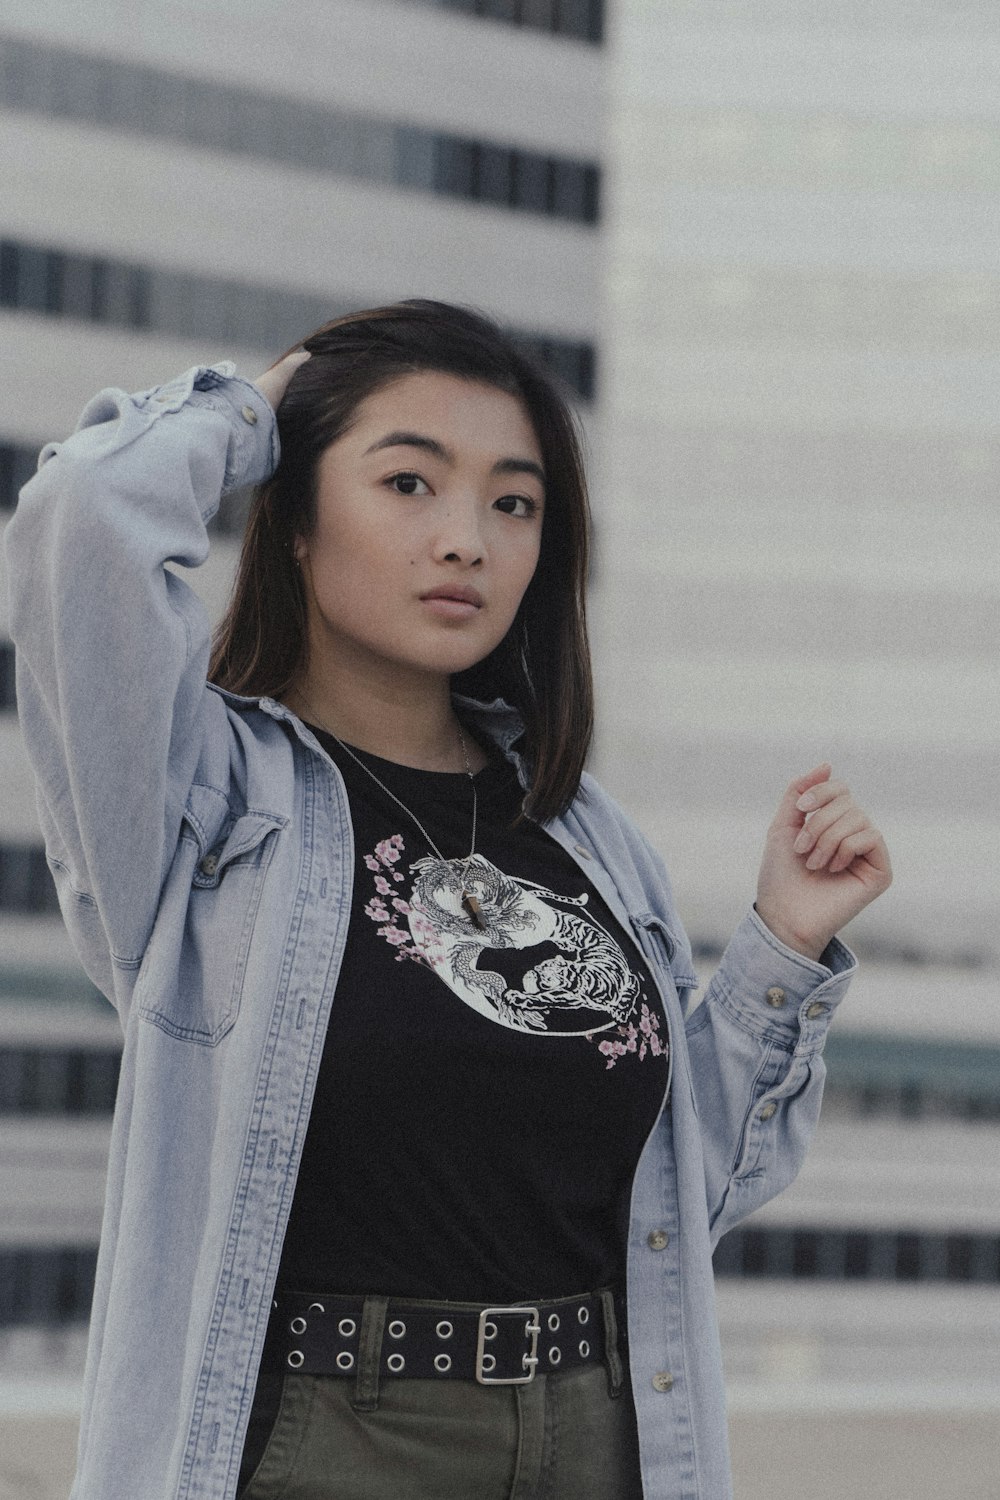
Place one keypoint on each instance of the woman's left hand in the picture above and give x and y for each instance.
(824, 860)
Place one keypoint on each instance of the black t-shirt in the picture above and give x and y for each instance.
(484, 1091)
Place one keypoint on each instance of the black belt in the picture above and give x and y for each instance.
(318, 1334)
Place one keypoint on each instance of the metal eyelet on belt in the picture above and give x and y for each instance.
(583, 1315)
(397, 1329)
(444, 1329)
(296, 1358)
(396, 1362)
(442, 1363)
(345, 1360)
(297, 1325)
(555, 1354)
(347, 1327)
(584, 1348)
(553, 1321)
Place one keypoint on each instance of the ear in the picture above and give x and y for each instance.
(299, 548)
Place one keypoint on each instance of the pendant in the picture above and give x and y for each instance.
(472, 907)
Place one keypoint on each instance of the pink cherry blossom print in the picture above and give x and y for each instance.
(641, 1041)
(388, 850)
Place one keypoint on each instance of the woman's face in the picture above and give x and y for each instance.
(428, 527)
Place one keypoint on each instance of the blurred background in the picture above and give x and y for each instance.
(760, 241)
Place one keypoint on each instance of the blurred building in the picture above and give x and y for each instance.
(799, 459)
(761, 243)
(208, 182)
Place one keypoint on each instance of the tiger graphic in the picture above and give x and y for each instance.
(589, 972)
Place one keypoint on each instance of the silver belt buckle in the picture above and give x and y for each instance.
(485, 1361)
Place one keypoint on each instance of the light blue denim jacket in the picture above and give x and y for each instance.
(203, 852)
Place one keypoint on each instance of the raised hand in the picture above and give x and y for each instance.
(274, 381)
(824, 861)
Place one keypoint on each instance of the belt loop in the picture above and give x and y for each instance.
(612, 1358)
(373, 1317)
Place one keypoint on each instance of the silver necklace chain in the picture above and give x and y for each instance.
(468, 900)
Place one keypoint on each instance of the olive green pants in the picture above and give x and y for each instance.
(561, 1437)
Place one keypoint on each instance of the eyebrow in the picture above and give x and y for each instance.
(431, 445)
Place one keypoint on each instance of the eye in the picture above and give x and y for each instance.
(517, 505)
(406, 483)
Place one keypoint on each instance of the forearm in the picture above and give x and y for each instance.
(112, 645)
(755, 1044)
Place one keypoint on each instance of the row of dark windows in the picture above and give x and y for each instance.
(55, 1285)
(200, 112)
(58, 283)
(580, 19)
(922, 1100)
(859, 1254)
(58, 1080)
(61, 1081)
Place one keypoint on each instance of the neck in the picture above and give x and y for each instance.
(410, 722)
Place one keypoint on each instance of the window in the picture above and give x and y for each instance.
(42, 1285)
(25, 883)
(17, 464)
(8, 699)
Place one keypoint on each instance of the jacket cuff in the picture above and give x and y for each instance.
(780, 995)
(254, 449)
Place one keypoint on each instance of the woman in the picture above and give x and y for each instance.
(420, 1150)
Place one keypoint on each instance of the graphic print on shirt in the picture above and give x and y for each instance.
(539, 961)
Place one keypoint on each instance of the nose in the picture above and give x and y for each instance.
(460, 536)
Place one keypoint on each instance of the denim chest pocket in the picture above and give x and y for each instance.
(191, 979)
(668, 950)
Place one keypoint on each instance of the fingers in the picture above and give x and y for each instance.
(841, 832)
(831, 800)
(825, 832)
(787, 813)
(866, 842)
(803, 784)
(274, 381)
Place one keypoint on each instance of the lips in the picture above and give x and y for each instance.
(456, 592)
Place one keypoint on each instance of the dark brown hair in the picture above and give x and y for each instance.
(542, 666)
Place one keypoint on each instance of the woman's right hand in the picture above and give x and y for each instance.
(274, 381)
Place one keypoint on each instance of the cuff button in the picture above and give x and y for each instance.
(248, 414)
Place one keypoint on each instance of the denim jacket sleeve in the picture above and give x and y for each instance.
(757, 1072)
(112, 645)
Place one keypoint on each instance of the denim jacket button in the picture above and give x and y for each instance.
(248, 414)
(776, 997)
(209, 864)
(770, 1109)
(662, 1380)
(583, 853)
(658, 1239)
(816, 1010)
